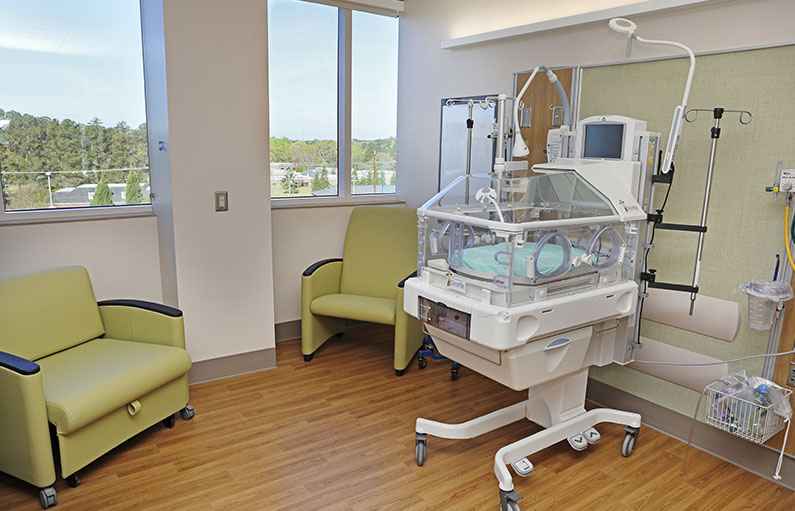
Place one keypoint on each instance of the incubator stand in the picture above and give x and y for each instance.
(529, 281)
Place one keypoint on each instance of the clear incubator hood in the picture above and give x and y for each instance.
(512, 240)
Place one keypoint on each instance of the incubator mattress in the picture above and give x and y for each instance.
(484, 259)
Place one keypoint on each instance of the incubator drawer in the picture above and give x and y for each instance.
(444, 317)
(536, 362)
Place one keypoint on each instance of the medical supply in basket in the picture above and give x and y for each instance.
(750, 407)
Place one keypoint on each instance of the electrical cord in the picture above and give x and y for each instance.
(787, 239)
(704, 364)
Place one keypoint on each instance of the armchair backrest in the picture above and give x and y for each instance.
(380, 250)
(47, 311)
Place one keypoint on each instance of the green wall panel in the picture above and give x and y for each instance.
(746, 227)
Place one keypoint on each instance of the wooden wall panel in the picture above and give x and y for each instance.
(540, 96)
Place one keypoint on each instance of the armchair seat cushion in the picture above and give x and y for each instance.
(360, 308)
(88, 381)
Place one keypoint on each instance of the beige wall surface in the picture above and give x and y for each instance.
(216, 60)
(302, 236)
(121, 255)
(427, 73)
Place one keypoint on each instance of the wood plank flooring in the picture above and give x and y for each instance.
(337, 434)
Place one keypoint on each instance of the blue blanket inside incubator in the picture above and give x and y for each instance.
(483, 259)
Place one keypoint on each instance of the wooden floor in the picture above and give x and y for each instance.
(337, 434)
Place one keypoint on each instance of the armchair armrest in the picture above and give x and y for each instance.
(315, 266)
(321, 278)
(17, 364)
(25, 450)
(140, 321)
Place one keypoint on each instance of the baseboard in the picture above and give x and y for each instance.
(232, 365)
(758, 459)
(288, 330)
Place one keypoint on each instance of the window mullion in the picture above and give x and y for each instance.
(344, 46)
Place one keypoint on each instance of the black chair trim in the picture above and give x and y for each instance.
(309, 271)
(141, 304)
(17, 364)
(403, 282)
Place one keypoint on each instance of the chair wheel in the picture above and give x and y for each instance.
(308, 358)
(73, 481)
(400, 372)
(187, 413)
(170, 421)
(48, 497)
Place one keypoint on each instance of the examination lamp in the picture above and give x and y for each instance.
(628, 27)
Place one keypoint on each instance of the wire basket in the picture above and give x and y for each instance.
(746, 419)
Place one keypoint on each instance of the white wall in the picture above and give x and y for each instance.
(302, 236)
(426, 73)
(121, 255)
(216, 61)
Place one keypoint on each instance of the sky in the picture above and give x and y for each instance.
(302, 56)
(80, 59)
(75, 59)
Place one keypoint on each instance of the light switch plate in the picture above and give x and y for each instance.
(222, 201)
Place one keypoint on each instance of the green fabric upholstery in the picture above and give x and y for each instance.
(47, 311)
(360, 308)
(380, 251)
(85, 380)
(89, 381)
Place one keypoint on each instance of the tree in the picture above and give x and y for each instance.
(320, 181)
(289, 183)
(132, 191)
(102, 195)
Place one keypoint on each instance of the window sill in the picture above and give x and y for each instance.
(74, 215)
(330, 202)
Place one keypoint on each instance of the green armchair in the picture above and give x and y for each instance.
(380, 253)
(81, 377)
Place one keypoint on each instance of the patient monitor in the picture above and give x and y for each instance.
(534, 279)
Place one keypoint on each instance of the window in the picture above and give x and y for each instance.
(373, 103)
(333, 101)
(72, 108)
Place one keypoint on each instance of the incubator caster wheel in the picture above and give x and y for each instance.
(308, 358)
(629, 441)
(187, 413)
(47, 497)
(73, 481)
(508, 500)
(422, 363)
(170, 421)
(420, 446)
(454, 373)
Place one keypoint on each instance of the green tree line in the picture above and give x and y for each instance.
(42, 144)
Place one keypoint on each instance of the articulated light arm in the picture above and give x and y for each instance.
(625, 26)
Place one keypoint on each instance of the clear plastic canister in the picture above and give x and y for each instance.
(763, 298)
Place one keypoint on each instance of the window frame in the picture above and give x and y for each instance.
(344, 196)
(100, 212)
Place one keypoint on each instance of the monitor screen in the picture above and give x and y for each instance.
(603, 141)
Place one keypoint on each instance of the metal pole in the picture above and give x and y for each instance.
(470, 125)
(715, 134)
(49, 186)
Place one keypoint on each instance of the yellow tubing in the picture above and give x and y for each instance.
(786, 238)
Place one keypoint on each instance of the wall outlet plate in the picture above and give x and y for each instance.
(791, 375)
(221, 201)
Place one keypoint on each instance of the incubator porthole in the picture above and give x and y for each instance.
(604, 255)
(565, 261)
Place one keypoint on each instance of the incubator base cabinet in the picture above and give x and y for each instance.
(530, 281)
